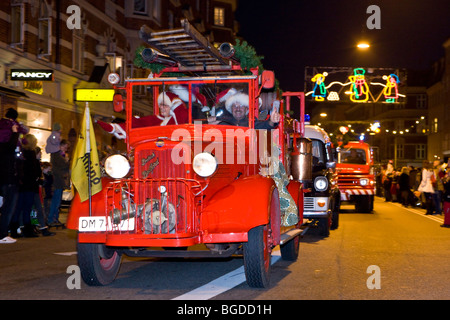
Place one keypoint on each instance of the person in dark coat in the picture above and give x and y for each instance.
(404, 187)
(30, 173)
(9, 178)
(61, 170)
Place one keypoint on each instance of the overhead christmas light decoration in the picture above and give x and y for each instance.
(358, 87)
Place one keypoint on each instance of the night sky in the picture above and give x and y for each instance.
(292, 34)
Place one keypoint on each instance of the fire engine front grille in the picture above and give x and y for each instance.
(349, 180)
(154, 207)
(158, 163)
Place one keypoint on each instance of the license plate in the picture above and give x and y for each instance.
(90, 224)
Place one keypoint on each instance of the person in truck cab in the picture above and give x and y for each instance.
(354, 158)
(237, 107)
(172, 111)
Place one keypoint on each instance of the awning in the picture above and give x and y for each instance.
(12, 93)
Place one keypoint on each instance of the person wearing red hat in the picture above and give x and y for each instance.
(199, 101)
(237, 105)
(172, 111)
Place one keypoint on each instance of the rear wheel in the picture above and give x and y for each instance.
(98, 264)
(257, 253)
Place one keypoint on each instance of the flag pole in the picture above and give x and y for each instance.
(88, 152)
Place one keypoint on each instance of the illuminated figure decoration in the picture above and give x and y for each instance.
(390, 91)
(319, 91)
(333, 96)
(359, 88)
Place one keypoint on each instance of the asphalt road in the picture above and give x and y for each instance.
(392, 254)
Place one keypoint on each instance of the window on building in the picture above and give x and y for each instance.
(140, 7)
(219, 16)
(400, 151)
(421, 101)
(45, 36)
(156, 10)
(421, 151)
(17, 26)
(77, 50)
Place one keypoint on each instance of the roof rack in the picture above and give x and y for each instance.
(189, 48)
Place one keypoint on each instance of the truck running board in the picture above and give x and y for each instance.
(291, 234)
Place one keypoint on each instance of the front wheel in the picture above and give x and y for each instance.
(98, 264)
(257, 253)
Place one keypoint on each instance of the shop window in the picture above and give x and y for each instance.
(38, 119)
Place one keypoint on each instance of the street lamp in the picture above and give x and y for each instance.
(363, 45)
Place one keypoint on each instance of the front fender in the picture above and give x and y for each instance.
(81, 209)
(242, 205)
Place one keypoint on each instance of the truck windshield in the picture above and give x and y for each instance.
(175, 103)
(318, 153)
(352, 156)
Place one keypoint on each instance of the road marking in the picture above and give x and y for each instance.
(66, 253)
(222, 284)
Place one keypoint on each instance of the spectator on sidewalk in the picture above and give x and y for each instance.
(9, 178)
(60, 169)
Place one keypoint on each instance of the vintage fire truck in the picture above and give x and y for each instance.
(194, 189)
(356, 179)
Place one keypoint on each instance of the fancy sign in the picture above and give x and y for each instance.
(31, 75)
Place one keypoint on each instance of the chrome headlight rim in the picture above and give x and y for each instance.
(204, 164)
(321, 183)
(117, 166)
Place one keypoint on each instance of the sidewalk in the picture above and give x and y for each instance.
(417, 210)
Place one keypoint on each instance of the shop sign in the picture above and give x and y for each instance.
(94, 94)
(31, 75)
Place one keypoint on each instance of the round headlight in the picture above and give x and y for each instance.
(204, 164)
(364, 182)
(117, 166)
(321, 183)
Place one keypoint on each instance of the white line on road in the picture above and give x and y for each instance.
(222, 284)
(66, 253)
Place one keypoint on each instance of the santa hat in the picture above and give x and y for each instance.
(201, 99)
(225, 94)
(182, 92)
(170, 99)
(242, 98)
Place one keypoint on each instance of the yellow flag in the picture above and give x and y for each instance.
(86, 148)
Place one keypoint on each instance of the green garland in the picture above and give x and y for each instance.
(247, 56)
(139, 62)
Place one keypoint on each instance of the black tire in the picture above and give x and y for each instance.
(364, 204)
(257, 257)
(324, 226)
(99, 265)
(289, 250)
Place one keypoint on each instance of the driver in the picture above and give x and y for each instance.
(354, 157)
(237, 106)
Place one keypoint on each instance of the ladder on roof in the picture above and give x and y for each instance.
(188, 47)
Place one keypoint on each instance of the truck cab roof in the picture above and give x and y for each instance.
(316, 132)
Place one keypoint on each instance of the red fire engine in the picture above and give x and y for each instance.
(187, 184)
(356, 180)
